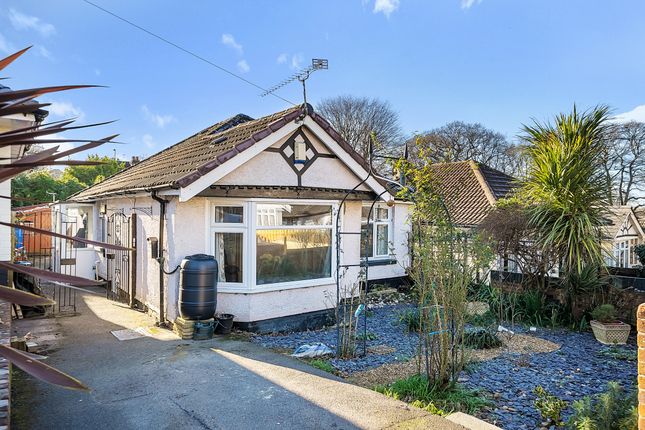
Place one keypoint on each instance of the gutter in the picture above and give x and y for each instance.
(160, 258)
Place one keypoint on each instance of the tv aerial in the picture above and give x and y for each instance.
(302, 76)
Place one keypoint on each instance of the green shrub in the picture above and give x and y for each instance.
(366, 336)
(417, 391)
(604, 313)
(617, 353)
(481, 339)
(640, 253)
(323, 365)
(606, 411)
(410, 318)
(549, 406)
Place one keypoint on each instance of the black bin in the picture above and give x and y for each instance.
(198, 287)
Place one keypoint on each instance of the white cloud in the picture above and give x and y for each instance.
(20, 21)
(229, 40)
(64, 146)
(282, 58)
(467, 4)
(6, 46)
(636, 114)
(65, 110)
(44, 52)
(243, 66)
(386, 7)
(296, 61)
(148, 140)
(157, 119)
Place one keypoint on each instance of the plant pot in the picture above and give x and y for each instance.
(614, 333)
(224, 323)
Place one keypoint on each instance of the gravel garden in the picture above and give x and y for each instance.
(567, 364)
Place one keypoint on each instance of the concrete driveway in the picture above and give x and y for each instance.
(162, 382)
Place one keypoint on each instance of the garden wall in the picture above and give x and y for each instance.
(626, 295)
(641, 366)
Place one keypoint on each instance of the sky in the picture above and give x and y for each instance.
(501, 63)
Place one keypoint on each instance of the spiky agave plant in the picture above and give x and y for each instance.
(22, 102)
(566, 187)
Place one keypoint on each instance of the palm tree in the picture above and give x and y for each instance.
(566, 186)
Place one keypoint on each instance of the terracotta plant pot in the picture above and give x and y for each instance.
(614, 333)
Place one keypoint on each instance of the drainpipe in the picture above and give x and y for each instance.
(160, 258)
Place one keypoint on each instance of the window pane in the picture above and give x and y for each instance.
(228, 253)
(269, 215)
(367, 246)
(229, 214)
(381, 240)
(380, 213)
(293, 255)
(78, 223)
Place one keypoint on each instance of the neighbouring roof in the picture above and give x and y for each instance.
(470, 190)
(183, 163)
(615, 219)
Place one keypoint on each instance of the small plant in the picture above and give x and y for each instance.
(610, 410)
(419, 392)
(604, 313)
(549, 406)
(481, 339)
(366, 336)
(410, 318)
(323, 365)
(621, 354)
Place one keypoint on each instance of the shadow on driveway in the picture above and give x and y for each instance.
(174, 384)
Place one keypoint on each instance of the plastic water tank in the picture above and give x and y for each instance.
(198, 287)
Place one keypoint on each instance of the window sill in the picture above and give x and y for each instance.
(245, 289)
(380, 261)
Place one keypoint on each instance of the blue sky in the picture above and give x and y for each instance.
(498, 62)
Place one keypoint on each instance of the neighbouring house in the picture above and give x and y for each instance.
(8, 153)
(470, 190)
(262, 196)
(622, 232)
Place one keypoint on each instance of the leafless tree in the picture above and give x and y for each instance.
(355, 118)
(624, 163)
(460, 141)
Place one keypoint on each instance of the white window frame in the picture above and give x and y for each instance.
(293, 284)
(214, 227)
(248, 229)
(374, 233)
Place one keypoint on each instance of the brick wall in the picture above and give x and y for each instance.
(5, 370)
(640, 316)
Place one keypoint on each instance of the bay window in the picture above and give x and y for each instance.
(375, 231)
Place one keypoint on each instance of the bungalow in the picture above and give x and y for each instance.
(260, 195)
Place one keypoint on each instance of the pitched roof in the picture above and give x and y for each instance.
(616, 217)
(183, 163)
(470, 189)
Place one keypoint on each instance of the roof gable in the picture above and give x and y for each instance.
(198, 161)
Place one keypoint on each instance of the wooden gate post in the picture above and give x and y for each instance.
(640, 324)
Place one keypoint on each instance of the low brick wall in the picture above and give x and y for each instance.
(5, 369)
(640, 317)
